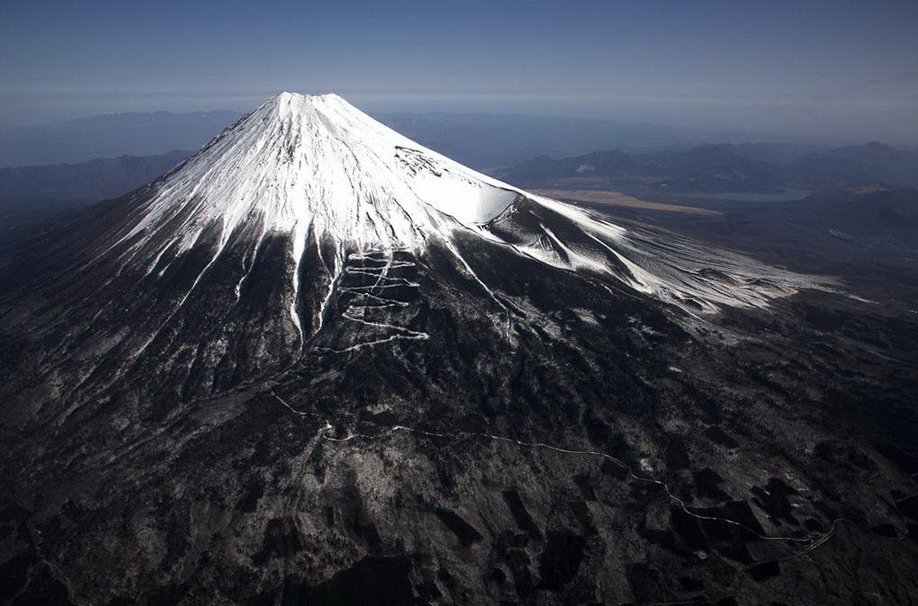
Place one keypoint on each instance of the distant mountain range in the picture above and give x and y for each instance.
(706, 168)
(110, 135)
(488, 141)
(645, 158)
(483, 141)
(65, 185)
(727, 167)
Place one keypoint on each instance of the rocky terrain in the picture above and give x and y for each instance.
(320, 364)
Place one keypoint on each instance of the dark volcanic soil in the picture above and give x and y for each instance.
(557, 443)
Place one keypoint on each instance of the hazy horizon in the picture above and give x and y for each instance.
(409, 109)
(838, 70)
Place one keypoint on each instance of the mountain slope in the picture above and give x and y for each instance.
(319, 363)
(236, 253)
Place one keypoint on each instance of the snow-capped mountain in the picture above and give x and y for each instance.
(316, 169)
(320, 363)
(223, 270)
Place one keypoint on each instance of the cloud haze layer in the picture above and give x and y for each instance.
(824, 69)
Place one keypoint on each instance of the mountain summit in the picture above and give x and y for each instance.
(315, 164)
(225, 268)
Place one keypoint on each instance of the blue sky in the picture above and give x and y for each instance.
(821, 68)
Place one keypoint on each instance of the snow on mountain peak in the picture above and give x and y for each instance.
(302, 162)
(314, 171)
